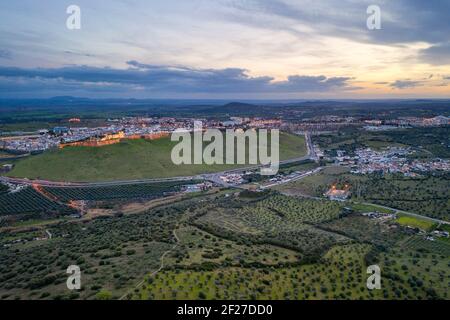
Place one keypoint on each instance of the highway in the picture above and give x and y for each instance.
(214, 177)
(300, 176)
(46, 183)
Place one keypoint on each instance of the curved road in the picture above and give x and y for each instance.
(209, 176)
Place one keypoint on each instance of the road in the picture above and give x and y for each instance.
(299, 177)
(209, 176)
(412, 214)
(46, 183)
(309, 145)
(215, 177)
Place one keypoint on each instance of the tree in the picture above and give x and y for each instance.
(103, 295)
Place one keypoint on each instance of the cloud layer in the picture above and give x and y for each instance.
(154, 79)
(403, 21)
(438, 54)
(209, 48)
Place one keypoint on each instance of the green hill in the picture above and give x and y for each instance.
(132, 159)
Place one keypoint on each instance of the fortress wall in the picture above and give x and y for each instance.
(113, 139)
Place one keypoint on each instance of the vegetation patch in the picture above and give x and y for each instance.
(128, 160)
(415, 222)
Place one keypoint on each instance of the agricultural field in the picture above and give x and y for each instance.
(422, 265)
(365, 230)
(339, 275)
(51, 202)
(213, 247)
(418, 243)
(30, 202)
(302, 282)
(415, 222)
(129, 191)
(128, 160)
(277, 220)
(197, 247)
(362, 208)
(296, 210)
(428, 195)
(114, 254)
(3, 188)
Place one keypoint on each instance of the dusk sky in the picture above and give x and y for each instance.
(225, 49)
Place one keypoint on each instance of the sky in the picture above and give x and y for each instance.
(225, 49)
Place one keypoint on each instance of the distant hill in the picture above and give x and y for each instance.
(239, 109)
(62, 107)
(238, 105)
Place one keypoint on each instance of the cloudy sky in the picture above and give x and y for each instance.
(265, 49)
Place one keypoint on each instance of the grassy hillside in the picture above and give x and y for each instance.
(134, 159)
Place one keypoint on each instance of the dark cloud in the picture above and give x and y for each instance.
(402, 21)
(437, 55)
(160, 80)
(74, 53)
(405, 84)
(5, 54)
(428, 80)
(408, 21)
